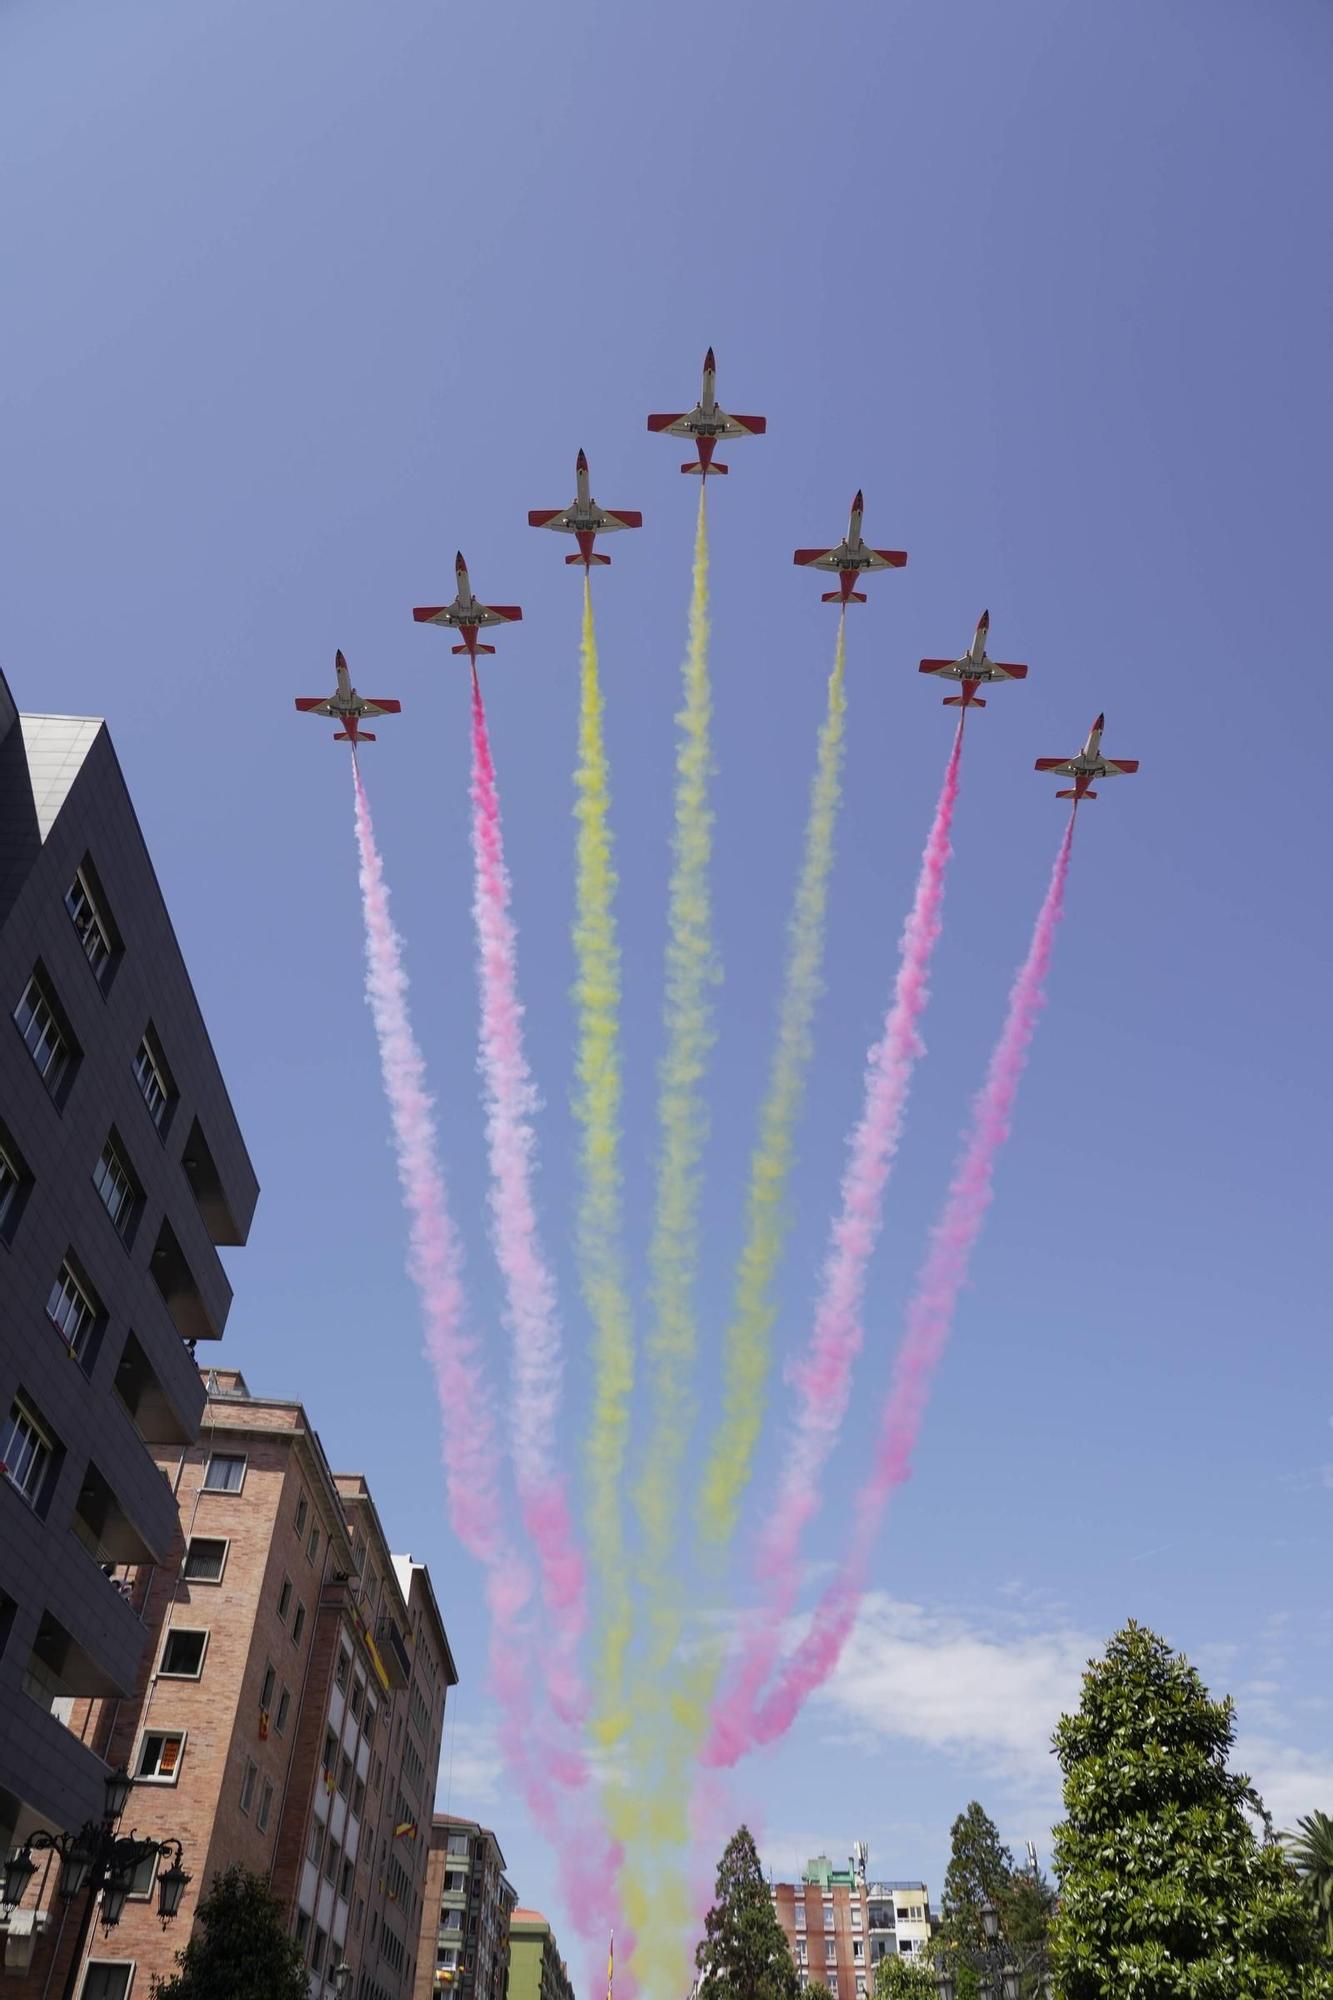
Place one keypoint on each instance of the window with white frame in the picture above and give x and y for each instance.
(225, 1472)
(856, 1916)
(115, 1184)
(160, 1756)
(151, 1076)
(144, 1878)
(25, 1452)
(93, 929)
(205, 1559)
(42, 1034)
(72, 1310)
(107, 1979)
(831, 1952)
(800, 1913)
(183, 1655)
(858, 1951)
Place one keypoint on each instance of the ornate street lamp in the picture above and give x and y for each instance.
(97, 1860)
(1000, 1975)
(342, 1978)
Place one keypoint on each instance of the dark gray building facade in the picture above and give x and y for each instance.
(122, 1169)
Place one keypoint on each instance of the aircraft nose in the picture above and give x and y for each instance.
(582, 461)
(340, 662)
(458, 561)
(983, 623)
(859, 505)
(1100, 723)
(710, 366)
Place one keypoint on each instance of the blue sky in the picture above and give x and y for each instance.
(298, 301)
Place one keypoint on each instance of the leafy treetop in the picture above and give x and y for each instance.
(241, 1950)
(744, 1949)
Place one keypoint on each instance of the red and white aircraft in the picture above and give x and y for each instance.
(973, 669)
(850, 558)
(345, 705)
(583, 518)
(468, 614)
(1087, 765)
(706, 423)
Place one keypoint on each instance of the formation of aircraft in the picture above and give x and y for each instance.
(346, 706)
(974, 669)
(583, 518)
(706, 423)
(852, 557)
(467, 614)
(1087, 764)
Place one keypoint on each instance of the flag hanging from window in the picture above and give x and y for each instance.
(405, 1830)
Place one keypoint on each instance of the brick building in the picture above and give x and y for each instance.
(122, 1170)
(839, 1926)
(290, 1713)
(536, 1969)
(463, 1950)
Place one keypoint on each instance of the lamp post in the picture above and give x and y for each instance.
(342, 1979)
(97, 1860)
(1000, 1975)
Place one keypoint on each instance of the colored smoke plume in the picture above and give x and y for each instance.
(747, 1346)
(588, 1863)
(530, 1298)
(930, 1315)
(597, 1109)
(822, 1380)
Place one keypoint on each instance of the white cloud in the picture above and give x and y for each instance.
(1289, 1781)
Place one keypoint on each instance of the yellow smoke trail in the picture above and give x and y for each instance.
(650, 1815)
(597, 1106)
(747, 1349)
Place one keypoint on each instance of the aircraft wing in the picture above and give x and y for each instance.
(432, 614)
(953, 668)
(1007, 670)
(385, 707)
(500, 614)
(548, 517)
(1064, 767)
(670, 422)
(885, 558)
(627, 519)
(741, 427)
(1122, 767)
(315, 704)
(816, 558)
(721, 424)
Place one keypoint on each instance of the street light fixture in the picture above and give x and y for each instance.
(342, 1978)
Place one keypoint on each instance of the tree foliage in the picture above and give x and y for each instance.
(241, 1948)
(981, 1870)
(903, 1979)
(1166, 1893)
(744, 1949)
(817, 1990)
(1311, 1851)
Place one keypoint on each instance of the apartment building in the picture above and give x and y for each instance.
(122, 1171)
(536, 1969)
(838, 1925)
(464, 1944)
(290, 1715)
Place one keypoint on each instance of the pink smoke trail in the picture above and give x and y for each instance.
(435, 1260)
(531, 1312)
(930, 1315)
(823, 1378)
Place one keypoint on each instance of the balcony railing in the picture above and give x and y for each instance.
(397, 1660)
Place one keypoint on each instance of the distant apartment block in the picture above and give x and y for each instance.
(122, 1171)
(839, 1925)
(463, 1950)
(290, 1712)
(536, 1969)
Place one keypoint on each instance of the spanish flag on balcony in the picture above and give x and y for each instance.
(406, 1829)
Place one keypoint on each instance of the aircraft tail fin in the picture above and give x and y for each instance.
(836, 597)
(704, 470)
(1074, 795)
(472, 649)
(961, 701)
(595, 557)
(346, 736)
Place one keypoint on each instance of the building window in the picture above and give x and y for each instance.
(144, 1878)
(298, 1624)
(72, 1310)
(150, 1073)
(183, 1655)
(95, 933)
(830, 1953)
(285, 1599)
(267, 1686)
(205, 1559)
(333, 1854)
(225, 1473)
(312, 1546)
(105, 1980)
(248, 1783)
(160, 1756)
(46, 1042)
(800, 1916)
(265, 1807)
(358, 1699)
(312, 1844)
(115, 1184)
(12, 1178)
(284, 1705)
(302, 1509)
(25, 1452)
(856, 1916)
(340, 1672)
(858, 1951)
(317, 1951)
(302, 1928)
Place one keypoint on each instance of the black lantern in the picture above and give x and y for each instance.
(115, 1888)
(19, 1871)
(118, 1787)
(990, 1918)
(77, 1864)
(945, 1983)
(171, 1886)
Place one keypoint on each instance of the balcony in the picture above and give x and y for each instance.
(180, 1289)
(393, 1652)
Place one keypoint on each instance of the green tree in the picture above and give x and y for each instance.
(817, 1990)
(903, 1979)
(980, 1871)
(1166, 1893)
(1311, 1851)
(241, 1948)
(744, 1949)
